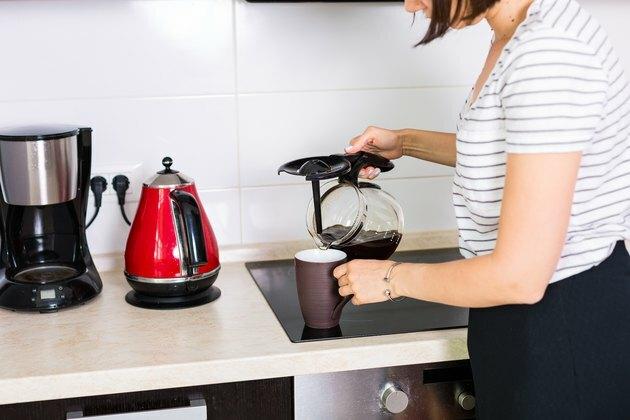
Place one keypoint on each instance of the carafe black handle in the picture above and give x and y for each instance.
(189, 216)
(361, 160)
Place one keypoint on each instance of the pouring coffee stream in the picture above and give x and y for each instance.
(358, 218)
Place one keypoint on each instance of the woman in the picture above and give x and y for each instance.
(542, 198)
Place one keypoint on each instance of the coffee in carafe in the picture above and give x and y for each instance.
(369, 245)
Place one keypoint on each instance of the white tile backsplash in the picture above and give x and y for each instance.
(199, 133)
(278, 213)
(308, 46)
(426, 202)
(104, 48)
(276, 128)
(108, 233)
(232, 89)
(223, 208)
(274, 214)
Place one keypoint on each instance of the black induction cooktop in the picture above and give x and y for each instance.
(276, 281)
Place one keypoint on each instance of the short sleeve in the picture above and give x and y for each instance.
(554, 95)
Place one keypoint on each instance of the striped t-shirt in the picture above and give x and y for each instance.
(557, 86)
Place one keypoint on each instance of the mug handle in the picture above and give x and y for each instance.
(340, 306)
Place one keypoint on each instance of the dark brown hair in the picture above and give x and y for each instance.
(441, 20)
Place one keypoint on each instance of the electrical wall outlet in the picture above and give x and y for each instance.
(133, 171)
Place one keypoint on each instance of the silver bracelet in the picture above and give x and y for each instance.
(387, 280)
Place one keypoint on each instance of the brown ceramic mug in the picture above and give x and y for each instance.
(318, 291)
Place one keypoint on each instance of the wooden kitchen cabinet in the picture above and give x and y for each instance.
(262, 399)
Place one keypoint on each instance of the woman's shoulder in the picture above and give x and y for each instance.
(554, 47)
(566, 17)
(545, 40)
(558, 26)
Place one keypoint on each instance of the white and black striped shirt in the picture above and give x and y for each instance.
(558, 86)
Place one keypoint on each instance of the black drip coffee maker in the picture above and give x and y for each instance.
(45, 261)
(358, 218)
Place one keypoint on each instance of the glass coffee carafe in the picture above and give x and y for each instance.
(356, 217)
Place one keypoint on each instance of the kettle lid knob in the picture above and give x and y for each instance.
(167, 177)
(167, 162)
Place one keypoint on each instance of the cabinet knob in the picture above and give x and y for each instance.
(394, 399)
(466, 400)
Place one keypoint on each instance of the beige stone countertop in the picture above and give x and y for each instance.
(108, 346)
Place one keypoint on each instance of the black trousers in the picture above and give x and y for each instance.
(566, 357)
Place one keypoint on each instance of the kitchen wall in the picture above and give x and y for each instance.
(231, 90)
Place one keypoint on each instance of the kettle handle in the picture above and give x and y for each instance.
(189, 216)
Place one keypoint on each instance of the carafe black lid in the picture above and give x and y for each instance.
(38, 132)
(318, 167)
(345, 167)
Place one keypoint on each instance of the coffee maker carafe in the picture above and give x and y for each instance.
(44, 177)
(356, 217)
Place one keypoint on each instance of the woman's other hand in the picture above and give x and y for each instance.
(380, 141)
(364, 279)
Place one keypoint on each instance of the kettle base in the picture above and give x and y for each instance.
(172, 302)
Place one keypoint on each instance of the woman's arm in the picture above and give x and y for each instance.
(433, 146)
(535, 213)
(392, 144)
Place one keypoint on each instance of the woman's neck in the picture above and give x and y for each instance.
(505, 16)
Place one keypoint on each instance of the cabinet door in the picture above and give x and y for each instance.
(264, 399)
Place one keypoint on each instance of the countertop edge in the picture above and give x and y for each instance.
(412, 351)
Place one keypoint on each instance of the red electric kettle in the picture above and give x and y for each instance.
(171, 257)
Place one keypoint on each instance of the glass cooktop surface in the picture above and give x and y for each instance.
(276, 281)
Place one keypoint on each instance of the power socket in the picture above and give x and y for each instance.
(133, 171)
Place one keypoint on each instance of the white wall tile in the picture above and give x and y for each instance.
(223, 210)
(310, 46)
(108, 234)
(276, 128)
(105, 48)
(274, 214)
(278, 213)
(198, 133)
(427, 203)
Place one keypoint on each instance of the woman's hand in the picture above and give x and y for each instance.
(380, 141)
(364, 280)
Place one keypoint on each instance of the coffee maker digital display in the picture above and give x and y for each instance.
(45, 259)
